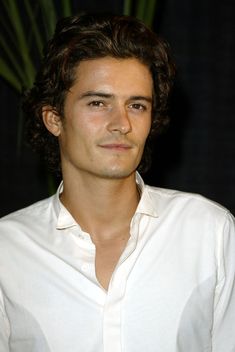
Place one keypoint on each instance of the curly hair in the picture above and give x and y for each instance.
(84, 37)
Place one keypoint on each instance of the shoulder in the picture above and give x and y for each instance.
(21, 230)
(31, 214)
(187, 205)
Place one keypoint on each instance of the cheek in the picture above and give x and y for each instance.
(148, 127)
(87, 132)
(88, 123)
(144, 129)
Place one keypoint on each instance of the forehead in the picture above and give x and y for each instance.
(113, 72)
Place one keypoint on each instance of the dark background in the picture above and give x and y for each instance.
(197, 154)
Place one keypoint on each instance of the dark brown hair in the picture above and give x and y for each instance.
(84, 37)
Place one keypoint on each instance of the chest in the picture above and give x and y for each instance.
(159, 294)
(106, 259)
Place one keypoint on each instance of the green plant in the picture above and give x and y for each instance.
(21, 47)
(142, 9)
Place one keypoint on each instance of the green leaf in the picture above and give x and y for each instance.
(127, 7)
(143, 9)
(15, 18)
(7, 74)
(8, 28)
(66, 8)
(150, 12)
(140, 11)
(49, 16)
(11, 57)
(35, 27)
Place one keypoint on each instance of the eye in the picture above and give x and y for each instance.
(138, 106)
(96, 103)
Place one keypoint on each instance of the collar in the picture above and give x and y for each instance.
(146, 205)
(65, 219)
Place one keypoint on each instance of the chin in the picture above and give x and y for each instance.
(117, 173)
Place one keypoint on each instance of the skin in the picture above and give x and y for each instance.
(107, 118)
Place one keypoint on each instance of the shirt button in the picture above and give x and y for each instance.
(85, 267)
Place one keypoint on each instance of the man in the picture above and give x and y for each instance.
(109, 264)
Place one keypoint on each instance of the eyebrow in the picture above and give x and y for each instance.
(96, 94)
(108, 95)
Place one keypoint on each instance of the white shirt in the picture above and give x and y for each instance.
(172, 289)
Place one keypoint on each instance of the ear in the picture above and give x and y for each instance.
(51, 120)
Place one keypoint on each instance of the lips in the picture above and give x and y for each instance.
(116, 146)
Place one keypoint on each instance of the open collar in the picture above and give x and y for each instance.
(65, 219)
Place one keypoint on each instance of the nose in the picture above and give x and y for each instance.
(119, 121)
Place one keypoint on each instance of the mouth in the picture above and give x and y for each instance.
(116, 146)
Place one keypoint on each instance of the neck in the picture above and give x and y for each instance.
(102, 207)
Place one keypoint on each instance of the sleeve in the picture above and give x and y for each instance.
(223, 333)
(4, 327)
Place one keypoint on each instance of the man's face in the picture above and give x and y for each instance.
(107, 118)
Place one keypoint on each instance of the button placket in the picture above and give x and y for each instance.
(112, 332)
(112, 312)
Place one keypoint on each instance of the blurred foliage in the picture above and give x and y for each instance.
(142, 9)
(27, 25)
